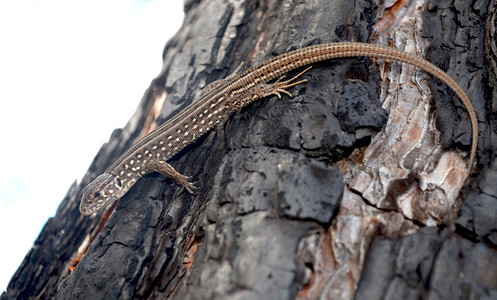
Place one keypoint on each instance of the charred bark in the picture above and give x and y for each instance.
(352, 188)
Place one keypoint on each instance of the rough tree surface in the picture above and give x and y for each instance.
(353, 188)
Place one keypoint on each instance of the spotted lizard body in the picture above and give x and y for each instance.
(151, 153)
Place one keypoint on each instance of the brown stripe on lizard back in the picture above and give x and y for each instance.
(233, 93)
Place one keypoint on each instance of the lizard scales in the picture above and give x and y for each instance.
(151, 153)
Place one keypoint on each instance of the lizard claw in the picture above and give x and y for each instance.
(280, 86)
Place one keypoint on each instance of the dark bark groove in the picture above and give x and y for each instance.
(269, 220)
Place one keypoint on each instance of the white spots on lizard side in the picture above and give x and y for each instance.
(169, 143)
(147, 153)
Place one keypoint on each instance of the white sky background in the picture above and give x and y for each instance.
(70, 73)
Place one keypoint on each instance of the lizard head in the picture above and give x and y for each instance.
(105, 189)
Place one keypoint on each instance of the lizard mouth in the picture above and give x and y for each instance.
(86, 210)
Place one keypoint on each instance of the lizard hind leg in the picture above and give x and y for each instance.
(280, 86)
(167, 170)
(216, 83)
(263, 90)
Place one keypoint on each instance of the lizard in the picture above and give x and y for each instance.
(151, 153)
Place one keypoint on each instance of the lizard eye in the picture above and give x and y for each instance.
(97, 195)
(118, 182)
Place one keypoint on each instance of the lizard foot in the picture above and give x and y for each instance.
(167, 170)
(280, 86)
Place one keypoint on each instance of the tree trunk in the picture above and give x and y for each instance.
(352, 188)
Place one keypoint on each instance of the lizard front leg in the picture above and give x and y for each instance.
(167, 170)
